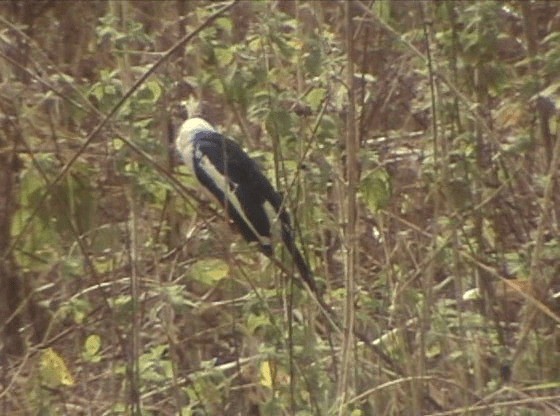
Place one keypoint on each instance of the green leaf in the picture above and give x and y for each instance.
(224, 55)
(175, 295)
(316, 97)
(92, 347)
(225, 24)
(255, 322)
(155, 89)
(376, 189)
(209, 271)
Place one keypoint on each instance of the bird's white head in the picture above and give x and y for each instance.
(192, 126)
(189, 129)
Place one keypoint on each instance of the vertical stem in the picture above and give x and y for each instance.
(531, 36)
(133, 365)
(429, 276)
(120, 10)
(543, 108)
(290, 298)
(351, 249)
(11, 295)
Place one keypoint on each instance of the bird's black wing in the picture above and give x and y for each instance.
(221, 162)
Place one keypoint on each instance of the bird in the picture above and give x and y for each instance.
(235, 180)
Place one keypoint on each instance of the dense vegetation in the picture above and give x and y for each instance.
(416, 144)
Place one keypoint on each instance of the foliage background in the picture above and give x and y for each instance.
(417, 146)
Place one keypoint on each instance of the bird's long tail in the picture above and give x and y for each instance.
(301, 264)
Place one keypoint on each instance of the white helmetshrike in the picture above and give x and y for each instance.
(234, 179)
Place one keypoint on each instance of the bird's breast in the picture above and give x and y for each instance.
(187, 151)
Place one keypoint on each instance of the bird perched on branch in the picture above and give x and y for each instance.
(234, 179)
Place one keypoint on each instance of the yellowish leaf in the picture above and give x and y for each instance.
(53, 370)
(273, 375)
(91, 348)
(266, 374)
